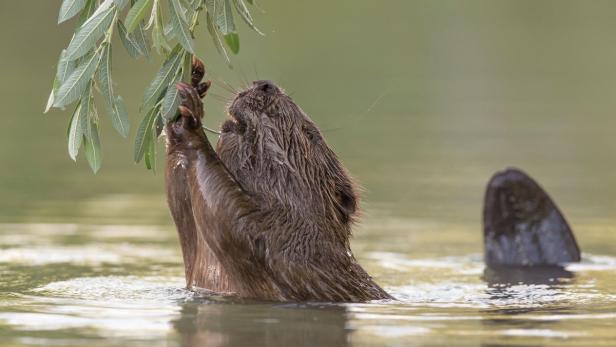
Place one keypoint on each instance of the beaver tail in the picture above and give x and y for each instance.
(522, 225)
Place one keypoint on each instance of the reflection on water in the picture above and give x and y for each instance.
(262, 325)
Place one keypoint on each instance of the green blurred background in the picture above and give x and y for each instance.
(423, 100)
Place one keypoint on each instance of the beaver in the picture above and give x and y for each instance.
(269, 213)
(522, 224)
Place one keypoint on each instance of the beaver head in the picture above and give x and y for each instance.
(279, 156)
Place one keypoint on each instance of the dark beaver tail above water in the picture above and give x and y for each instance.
(523, 226)
(269, 216)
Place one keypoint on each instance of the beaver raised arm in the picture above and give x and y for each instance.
(269, 216)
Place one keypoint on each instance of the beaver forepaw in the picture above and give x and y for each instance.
(191, 108)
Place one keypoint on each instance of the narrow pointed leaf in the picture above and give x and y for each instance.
(179, 25)
(69, 9)
(104, 74)
(150, 153)
(144, 134)
(164, 77)
(171, 102)
(136, 14)
(104, 6)
(75, 133)
(169, 32)
(65, 67)
(159, 126)
(121, 3)
(195, 4)
(242, 9)
(91, 31)
(87, 12)
(142, 40)
(92, 147)
(211, 7)
(224, 17)
(76, 82)
(115, 106)
(121, 119)
(129, 41)
(233, 41)
(159, 41)
(52, 96)
(216, 38)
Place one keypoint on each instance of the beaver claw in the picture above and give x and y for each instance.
(191, 108)
(198, 72)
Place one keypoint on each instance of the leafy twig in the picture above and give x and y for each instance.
(86, 64)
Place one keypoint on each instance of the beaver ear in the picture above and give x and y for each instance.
(312, 134)
(346, 202)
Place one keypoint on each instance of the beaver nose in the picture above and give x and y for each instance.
(266, 86)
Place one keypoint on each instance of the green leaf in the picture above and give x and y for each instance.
(195, 4)
(104, 74)
(150, 153)
(144, 134)
(216, 38)
(164, 77)
(122, 116)
(78, 127)
(179, 25)
(52, 95)
(136, 13)
(104, 6)
(171, 102)
(224, 17)
(76, 82)
(233, 41)
(92, 147)
(87, 12)
(115, 106)
(159, 40)
(64, 69)
(142, 40)
(159, 126)
(75, 133)
(86, 36)
(121, 3)
(69, 9)
(242, 9)
(129, 41)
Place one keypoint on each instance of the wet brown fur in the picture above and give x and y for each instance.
(269, 214)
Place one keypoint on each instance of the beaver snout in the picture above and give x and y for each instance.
(266, 86)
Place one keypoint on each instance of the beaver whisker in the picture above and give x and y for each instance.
(226, 88)
(230, 88)
(211, 130)
(243, 77)
(219, 97)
